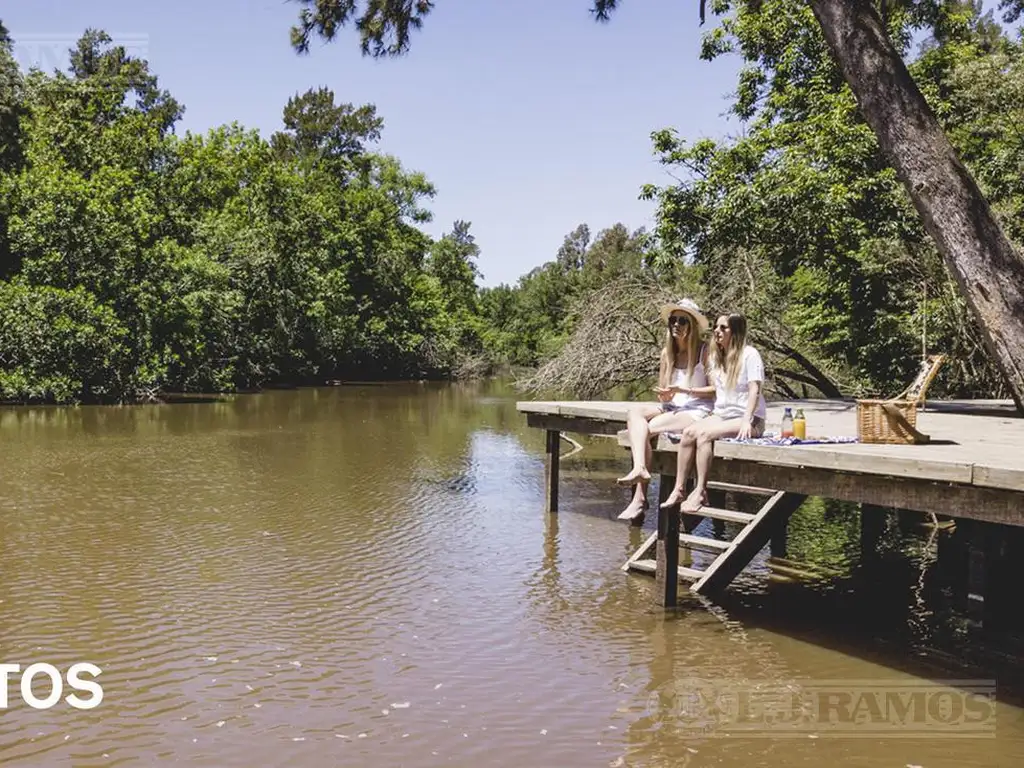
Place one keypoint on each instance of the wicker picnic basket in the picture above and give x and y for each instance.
(895, 420)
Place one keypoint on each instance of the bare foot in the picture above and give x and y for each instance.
(673, 498)
(694, 501)
(634, 477)
(634, 510)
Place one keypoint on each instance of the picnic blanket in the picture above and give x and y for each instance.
(772, 438)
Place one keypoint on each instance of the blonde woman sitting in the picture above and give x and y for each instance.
(683, 393)
(737, 372)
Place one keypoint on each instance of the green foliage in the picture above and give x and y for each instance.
(983, 113)
(384, 25)
(210, 262)
(321, 131)
(58, 344)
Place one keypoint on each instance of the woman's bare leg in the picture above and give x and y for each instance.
(639, 432)
(663, 422)
(687, 451)
(637, 505)
(709, 430)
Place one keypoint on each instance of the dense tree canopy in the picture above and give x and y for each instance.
(135, 261)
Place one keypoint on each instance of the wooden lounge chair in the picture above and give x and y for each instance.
(895, 420)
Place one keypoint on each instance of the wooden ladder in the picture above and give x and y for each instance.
(731, 556)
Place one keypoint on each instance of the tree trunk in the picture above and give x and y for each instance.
(955, 213)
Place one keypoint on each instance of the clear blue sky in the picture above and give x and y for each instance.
(529, 117)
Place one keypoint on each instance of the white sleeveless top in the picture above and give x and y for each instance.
(698, 379)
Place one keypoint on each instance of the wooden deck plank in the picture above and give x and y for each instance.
(846, 458)
(956, 500)
(973, 442)
(997, 477)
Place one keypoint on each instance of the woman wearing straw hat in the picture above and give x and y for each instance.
(683, 394)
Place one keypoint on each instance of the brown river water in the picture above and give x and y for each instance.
(365, 576)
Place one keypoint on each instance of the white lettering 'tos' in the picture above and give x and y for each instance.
(74, 678)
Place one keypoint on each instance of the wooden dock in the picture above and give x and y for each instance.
(972, 469)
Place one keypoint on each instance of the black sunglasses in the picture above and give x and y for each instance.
(678, 320)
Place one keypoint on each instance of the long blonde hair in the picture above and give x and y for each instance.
(668, 351)
(728, 360)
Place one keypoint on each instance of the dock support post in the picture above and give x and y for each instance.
(665, 485)
(717, 498)
(951, 568)
(666, 574)
(551, 474)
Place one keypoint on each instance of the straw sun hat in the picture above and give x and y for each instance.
(689, 307)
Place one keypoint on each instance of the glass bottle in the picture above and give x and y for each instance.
(787, 423)
(800, 425)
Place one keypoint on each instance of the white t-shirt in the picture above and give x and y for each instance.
(732, 404)
(698, 380)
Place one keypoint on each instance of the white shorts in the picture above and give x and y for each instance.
(694, 413)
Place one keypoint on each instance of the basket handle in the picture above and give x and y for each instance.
(895, 413)
(918, 390)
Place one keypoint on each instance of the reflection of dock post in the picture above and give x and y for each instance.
(551, 474)
(666, 574)
(872, 526)
(779, 542)
(991, 550)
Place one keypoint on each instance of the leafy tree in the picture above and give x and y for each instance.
(11, 111)
(58, 345)
(11, 140)
(209, 262)
(319, 130)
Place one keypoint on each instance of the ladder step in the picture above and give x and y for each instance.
(734, 488)
(723, 514)
(702, 542)
(650, 566)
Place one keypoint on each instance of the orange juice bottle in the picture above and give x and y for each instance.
(800, 425)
